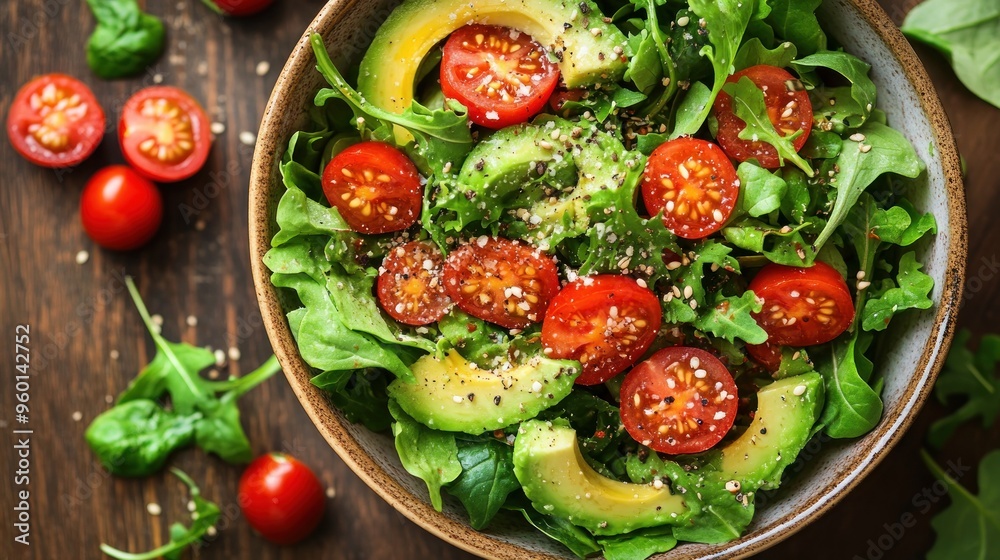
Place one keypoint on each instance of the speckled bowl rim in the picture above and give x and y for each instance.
(416, 508)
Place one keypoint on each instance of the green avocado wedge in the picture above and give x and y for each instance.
(574, 31)
(454, 395)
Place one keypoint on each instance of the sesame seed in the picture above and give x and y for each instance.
(217, 128)
(115, 355)
(717, 215)
(331, 492)
(109, 399)
(861, 275)
(234, 353)
(191, 321)
(733, 486)
(211, 531)
(641, 282)
(865, 148)
(154, 508)
(157, 319)
(248, 138)
(220, 357)
(458, 398)
(719, 415)
(683, 21)
(688, 292)
(263, 67)
(77, 416)
(863, 284)
(536, 387)
(858, 137)
(694, 304)
(799, 390)
(657, 483)
(82, 257)
(700, 373)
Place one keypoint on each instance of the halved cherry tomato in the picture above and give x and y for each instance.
(410, 284)
(501, 281)
(802, 306)
(164, 134)
(55, 121)
(375, 187)
(693, 183)
(681, 400)
(606, 322)
(767, 355)
(120, 209)
(788, 108)
(239, 8)
(501, 75)
(281, 498)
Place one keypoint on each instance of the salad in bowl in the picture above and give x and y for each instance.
(609, 265)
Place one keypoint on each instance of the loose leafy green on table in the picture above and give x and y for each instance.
(204, 516)
(970, 526)
(137, 435)
(126, 40)
(974, 376)
(968, 33)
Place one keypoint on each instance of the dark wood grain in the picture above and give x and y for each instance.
(197, 265)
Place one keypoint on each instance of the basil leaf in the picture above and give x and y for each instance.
(749, 105)
(126, 40)
(428, 454)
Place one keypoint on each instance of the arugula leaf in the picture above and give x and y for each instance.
(688, 117)
(360, 395)
(852, 407)
(973, 376)
(688, 279)
(204, 516)
(638, 545)
(428, 454)
(125, 41)
(913, 292)
(578, 540)
(433, 139)
(753, 52)
(748, 104)
(883, 150)
(644, 69)
(822, 145)
(968, 33)
(135, 437)
(726, 21)
(849, 66)
(486, 480)
(730, 318)
(795, 21)
(970, 526)
(761, 192)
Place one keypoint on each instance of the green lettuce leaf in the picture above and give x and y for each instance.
(486, 480)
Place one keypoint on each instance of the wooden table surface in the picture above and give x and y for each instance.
(197, 265)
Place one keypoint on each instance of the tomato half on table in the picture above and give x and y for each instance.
(411, 284)
(693, 183)
(501, 75)
(501, 281)
(55, 121)
(680, 400)
(605, 322)
(788, 109)
(281, 498)
(802, 306)
(120, 209)
(164, 134)
(375, 187)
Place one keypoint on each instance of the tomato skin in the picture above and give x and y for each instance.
(779, 101)
(680, 400)
(240, 8)
(501, 75)
(50, 136)
(802, 306)
(376, 178)
(561, 96)
(579, 325)
(164, 134)
(767, 355)
(408, 290)
(120, 209)
(281, 498)
(695, 202)
(480, 277)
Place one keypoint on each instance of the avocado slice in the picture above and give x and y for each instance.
(558, 481)
(786, 412)
(455, 395)
(574, 31)
(556, 174)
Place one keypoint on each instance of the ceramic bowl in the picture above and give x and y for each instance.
(917, 346)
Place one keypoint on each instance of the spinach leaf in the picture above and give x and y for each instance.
(125, 41)
(730, 318)
(486, 480)
(136, 436)
(360, 395)
(433, 139)
(578, 540)
(911, 291)
(726, 21)
(687, 276)
(972, 376)
(852, 407)
(644, 69)
(203, 517)
(722, 518)
(748, 104)
(849, 66)
(428, 454)
(881, 150)
(753, 52)
(970, 526)
(795, 21)
(688, 117)
(968, 33)
(638, 545)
